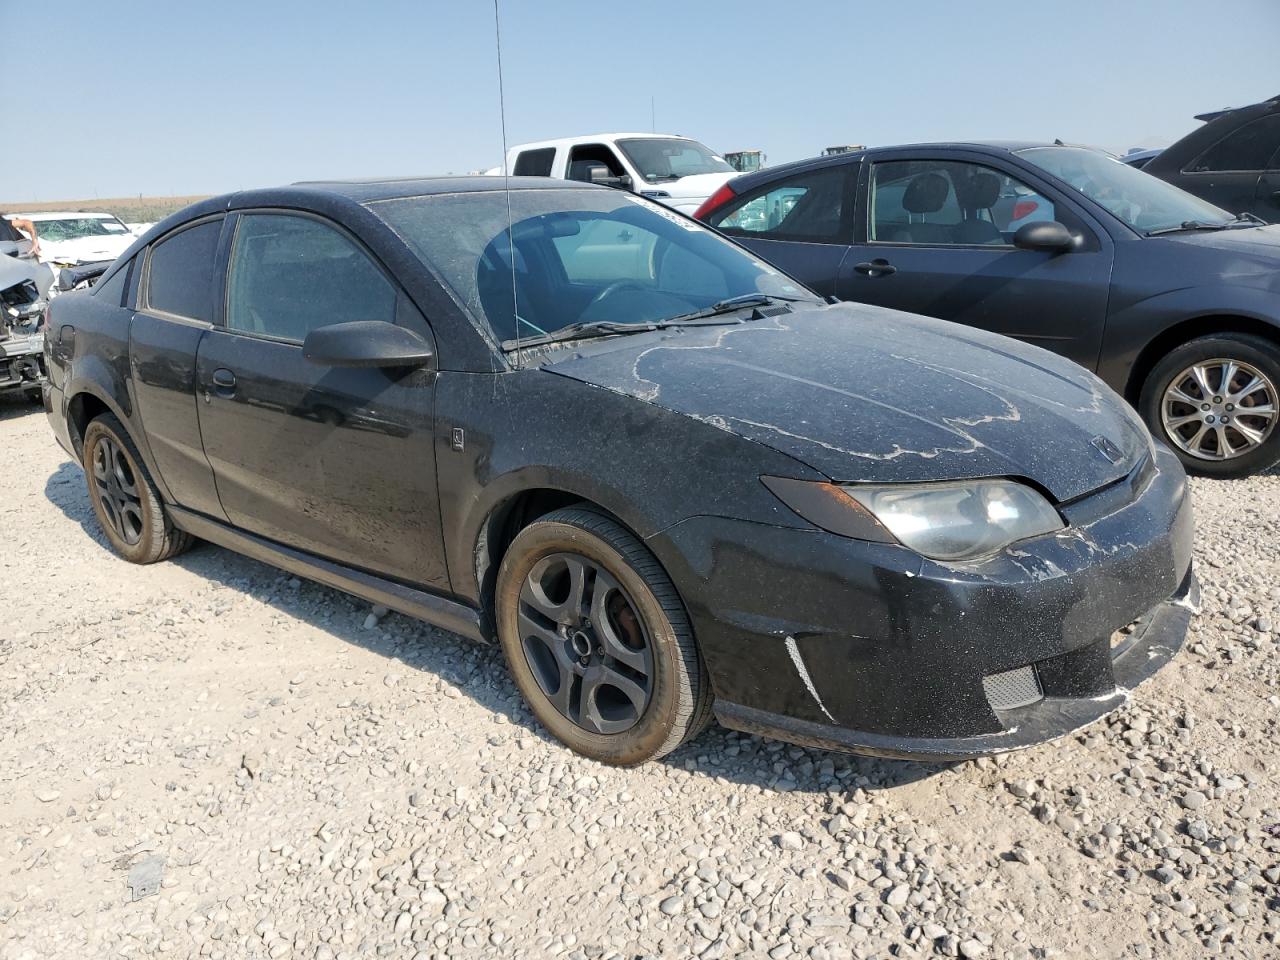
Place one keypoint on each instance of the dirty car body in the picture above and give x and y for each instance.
(806, 474)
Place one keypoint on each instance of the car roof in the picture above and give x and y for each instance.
(593, 137)
(388, 188)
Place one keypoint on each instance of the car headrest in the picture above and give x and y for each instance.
(978, 191)
(926, 193)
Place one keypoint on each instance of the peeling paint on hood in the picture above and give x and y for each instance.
(871, 395)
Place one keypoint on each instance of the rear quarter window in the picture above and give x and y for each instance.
(180, 272)
(535, 163)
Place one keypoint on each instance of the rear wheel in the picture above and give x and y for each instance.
(125, 500)
(598, 641)
(1216, 402)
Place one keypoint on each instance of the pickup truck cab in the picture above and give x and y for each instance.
(676, 171)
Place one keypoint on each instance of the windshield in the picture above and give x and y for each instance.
(660, 159)
(1139, 199)
(581, 256)
(77, 227)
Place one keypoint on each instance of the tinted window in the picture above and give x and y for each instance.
(1249, 148)
(181, 272)
(947, 202)
(535, 163)
(113, 290)
(289, 275)
(807, 206)
(582, 159)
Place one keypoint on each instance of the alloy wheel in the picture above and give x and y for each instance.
(1219, 409)
(117, 490)
(586, 645)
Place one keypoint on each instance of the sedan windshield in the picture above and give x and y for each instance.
(1142, 201)
(77, 227)
(659, 160)
(582, 257)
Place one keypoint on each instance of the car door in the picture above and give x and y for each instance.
(335, 461)
(934, 235)
(174, 311)
(800, 223)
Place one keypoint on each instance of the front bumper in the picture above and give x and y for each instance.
(870, 648)
(22, 362)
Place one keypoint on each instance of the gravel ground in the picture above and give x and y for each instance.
(318, 782)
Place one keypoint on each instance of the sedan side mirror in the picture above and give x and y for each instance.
(1046, 236)
(366, 343)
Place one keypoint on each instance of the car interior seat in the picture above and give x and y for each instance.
(977, 192)
(926, 193)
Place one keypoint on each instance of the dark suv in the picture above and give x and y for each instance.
(1233, 161)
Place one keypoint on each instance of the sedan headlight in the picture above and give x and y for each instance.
(945, 521)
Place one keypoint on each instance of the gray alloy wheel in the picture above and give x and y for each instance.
(1219, 409)
(124, 498)
(585, 644)
(598, 640)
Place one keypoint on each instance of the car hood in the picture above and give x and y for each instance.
(86, 249)
(865, 394)
(1260, 241)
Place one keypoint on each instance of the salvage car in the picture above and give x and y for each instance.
(22, 304)
(70, 239)
(671, 482)
(1172, 301)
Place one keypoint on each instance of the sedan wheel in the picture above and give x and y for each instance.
(1219, 409)
(125, 500)
(597, 639)
(1216, 402)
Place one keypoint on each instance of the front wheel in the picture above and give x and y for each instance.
(1215, 401)
(598, 641)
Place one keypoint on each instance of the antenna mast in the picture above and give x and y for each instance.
(506, 184)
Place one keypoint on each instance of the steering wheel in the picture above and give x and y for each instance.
(616, 287)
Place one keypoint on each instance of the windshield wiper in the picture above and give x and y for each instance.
(735, 303)
(1190, 225)
(579, 331)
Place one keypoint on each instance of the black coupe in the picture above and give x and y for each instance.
(669, 480)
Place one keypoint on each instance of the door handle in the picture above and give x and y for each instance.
(878, 267)
(224, 382)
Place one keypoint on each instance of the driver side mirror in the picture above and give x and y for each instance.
(366, 343)
(600, 174)
(1045, 236)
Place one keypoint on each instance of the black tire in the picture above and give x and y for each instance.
(642, 608)
(1260, 354)
(124, 497)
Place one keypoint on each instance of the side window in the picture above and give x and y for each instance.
(289, 275)
(948, 202)
(535, 163)
(113, 290)
(1245, 149)
(180, 272)
(807, 206)
(582, 159)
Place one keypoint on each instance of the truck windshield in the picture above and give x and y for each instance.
(660, 159)
(75, 228)
(589, 256)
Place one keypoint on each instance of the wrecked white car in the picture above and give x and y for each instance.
(71, 239)
(24, 286)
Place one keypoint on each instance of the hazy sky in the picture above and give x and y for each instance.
(180, 96)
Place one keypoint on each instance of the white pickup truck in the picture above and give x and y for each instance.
(676, 171)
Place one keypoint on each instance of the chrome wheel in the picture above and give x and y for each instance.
(585, 644)
(1219, 409)
(117, 490)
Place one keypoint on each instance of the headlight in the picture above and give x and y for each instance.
(944, 521)
(959, 521)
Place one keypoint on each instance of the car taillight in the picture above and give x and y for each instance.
(714, 202)
(1024, 208)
